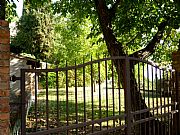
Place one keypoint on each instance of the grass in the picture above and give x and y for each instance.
(84, 107)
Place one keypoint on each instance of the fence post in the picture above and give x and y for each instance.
(23, 103)
(4, 78)
(176, 91)
(127, 96)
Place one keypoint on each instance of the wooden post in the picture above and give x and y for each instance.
(176, 91)
(4, 77)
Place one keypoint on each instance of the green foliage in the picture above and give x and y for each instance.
(72, 42)
(51, 80)
(7, 10)
(10, 11)
(134, 24)
(34, 33)
(168, 44)
(35, 4)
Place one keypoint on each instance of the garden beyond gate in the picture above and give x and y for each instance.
(101, 97)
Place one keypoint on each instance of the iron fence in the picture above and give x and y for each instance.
(116, 95)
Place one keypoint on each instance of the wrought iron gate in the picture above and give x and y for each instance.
(116, 95)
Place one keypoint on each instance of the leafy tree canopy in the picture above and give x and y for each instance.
(7, 10)
(137, 28)
(72, 42)
(34, 35)
(133, 27)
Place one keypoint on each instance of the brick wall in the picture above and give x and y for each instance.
(4, 77)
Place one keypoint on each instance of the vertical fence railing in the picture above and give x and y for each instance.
(128, 96)
(81, 108)
(23, 103)
(178, 104)
(57, 93)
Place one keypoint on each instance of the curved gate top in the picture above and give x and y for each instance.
(116, 95)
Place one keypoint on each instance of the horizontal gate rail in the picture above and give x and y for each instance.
(109, 130)
(88, 63)
(151, 109)
(154, 117)
(95, 98)
(74, 126)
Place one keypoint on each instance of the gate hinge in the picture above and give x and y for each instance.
(14, 78)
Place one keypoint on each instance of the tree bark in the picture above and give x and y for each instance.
(115, 48)
(150, 47)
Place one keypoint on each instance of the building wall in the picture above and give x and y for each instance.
(16, 64)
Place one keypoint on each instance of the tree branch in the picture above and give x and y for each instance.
(114, 47)
(2, 9)
(168, 35)
(151, 46)
(132, 40)
(112, 10)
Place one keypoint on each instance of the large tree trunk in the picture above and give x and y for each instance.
(115, 48)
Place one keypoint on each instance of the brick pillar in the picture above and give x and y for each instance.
(176, 91)
(4, 77)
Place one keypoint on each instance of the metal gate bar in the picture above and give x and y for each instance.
(158, 105)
